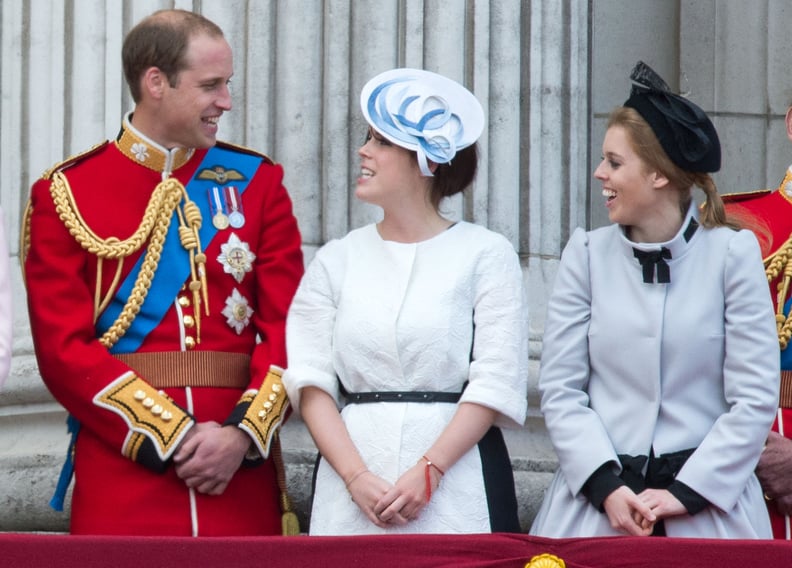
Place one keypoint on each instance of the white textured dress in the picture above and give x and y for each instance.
(385, 316)
(630, 367)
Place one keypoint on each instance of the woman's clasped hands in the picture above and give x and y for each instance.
(388, 505)
(636, 515)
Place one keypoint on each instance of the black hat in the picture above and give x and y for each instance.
(683, 129)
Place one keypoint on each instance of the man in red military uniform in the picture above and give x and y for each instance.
(160, 267)
(768, 214)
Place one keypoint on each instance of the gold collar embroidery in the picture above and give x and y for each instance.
(137, 147)
(786, 186)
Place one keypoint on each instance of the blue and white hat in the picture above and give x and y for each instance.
(423, 112)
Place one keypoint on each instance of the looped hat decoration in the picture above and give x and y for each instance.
(422, 111)
(684, 130)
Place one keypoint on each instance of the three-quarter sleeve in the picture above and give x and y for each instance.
(309, 327)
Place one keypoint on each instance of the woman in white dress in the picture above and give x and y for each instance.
(416, 329)
(659, 374)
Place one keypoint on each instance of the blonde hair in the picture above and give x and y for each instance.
(647, 146)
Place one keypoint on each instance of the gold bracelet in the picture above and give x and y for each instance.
(355, 476)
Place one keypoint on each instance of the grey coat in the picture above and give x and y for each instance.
(629, 367)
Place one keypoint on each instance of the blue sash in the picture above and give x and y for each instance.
(174, 266)
(64, 479)
(786, 354)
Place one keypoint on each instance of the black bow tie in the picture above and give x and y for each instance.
(654, 259)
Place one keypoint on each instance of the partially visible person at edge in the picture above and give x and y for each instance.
(768, 214)
(160, 267)
(415, 327)
(659, 372)
(6, 314)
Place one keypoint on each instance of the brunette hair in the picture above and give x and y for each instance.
(647, 146)
(160, 40)
(455, 176)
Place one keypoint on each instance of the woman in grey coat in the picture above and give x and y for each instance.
(660, 371)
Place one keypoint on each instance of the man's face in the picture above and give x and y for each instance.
(190, 111)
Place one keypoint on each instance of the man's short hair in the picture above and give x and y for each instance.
(160, 40)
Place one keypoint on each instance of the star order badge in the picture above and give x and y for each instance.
(236, 258)
(237, 311)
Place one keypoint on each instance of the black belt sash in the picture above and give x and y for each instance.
(401, 396)
(660, 472)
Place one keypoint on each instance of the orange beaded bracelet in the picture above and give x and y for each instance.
(427, 478)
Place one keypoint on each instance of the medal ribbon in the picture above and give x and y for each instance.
(235, 216)
(217, 207)
(171, 274)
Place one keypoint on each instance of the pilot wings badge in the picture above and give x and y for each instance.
(220, 175)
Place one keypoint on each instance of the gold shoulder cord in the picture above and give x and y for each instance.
(153, 228)
(781, 261)
(24, 238)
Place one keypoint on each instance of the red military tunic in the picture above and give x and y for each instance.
(130, 427)
(769, 215)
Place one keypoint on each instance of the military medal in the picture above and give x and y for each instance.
(236, 218)
(219, 218)
(236, 258)
(220, 221)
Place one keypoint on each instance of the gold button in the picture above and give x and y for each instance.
(189, 342)
(148, 402)
(189, 321)
(267, 405)
(166, 415)
(156, 410)
(184, 301)
(140, 395)
(276, 387)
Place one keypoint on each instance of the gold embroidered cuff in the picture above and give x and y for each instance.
(133, 444)
(147, 412)
(267, 410)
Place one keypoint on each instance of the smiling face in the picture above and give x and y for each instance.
(190, 109)
(635, 196)
(388, 173)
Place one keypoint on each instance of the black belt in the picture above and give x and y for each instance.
(401, 396)
(660, 473)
